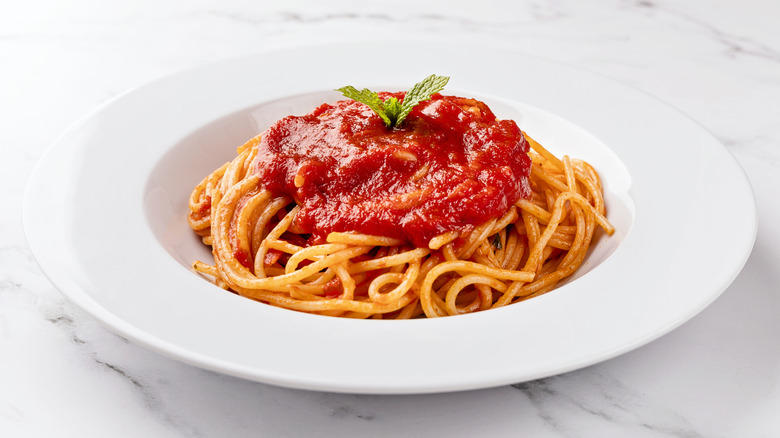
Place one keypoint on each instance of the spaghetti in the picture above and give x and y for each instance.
(403, 246)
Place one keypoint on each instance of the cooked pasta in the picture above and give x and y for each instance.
(266, 249)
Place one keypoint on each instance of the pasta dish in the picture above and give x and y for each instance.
(454, 212)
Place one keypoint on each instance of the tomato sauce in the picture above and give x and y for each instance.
(450, 167)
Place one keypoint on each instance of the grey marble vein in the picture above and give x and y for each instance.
(606, 400)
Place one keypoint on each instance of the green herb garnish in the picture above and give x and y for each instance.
(497, 242)
(391, 110)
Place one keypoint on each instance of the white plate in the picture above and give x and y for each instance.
(105, 217)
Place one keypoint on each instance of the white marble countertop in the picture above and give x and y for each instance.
(62, 374)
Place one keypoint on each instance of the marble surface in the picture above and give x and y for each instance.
(62, 374)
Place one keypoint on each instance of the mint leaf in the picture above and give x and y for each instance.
(392, 107)
(421, 92)
(369, 98)
(391, 110)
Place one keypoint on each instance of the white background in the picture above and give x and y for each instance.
(62, 374)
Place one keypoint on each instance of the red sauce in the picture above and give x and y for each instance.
(451, 166)
(243, 257)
